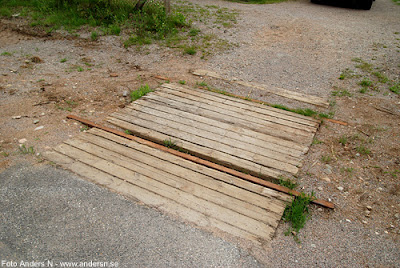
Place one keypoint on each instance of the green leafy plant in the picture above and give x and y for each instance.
(395, 88)
(365, 82)
(142, 91)
(341, 93)
(94, 36)
(63, 60)
(343, 140)
(191, 50)
(24, 150)
(128, 132)
(6, 53)
(363, 150)
(182, 82)
(297, 213)
(287, 182)
(326, 158)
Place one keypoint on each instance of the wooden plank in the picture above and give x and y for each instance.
(244, 202)
(209, 209)
(179, 134)
(315, 100)
(225, 123)
(227, 130)
(284, 146)
(215, 141)
(248, 111)
(250, 105)
(191, 165)
(206, 153)
(200, 161)
(147, 197)
(239, 119)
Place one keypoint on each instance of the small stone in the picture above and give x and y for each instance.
(320, 209)
(113, 75)
(348, 220)
(326, 179)
(386, 232)
(380, 188)
(36, 121)
(64, 121)
(17, 117)
(397, 216)
(340, 188)
(357, 154)
(39, 128)
(367, 212)
(125, 93)
(319, 188)
(42, 114)
(313, 246)
(22, 141)
(376, 233)
(369, 207)
(365, 222)
(294, 233)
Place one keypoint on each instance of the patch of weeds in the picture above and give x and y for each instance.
(341, 93)
(137, 40)
(6, 53)
(381, 77)
(363, 65)
(94, 36)
(343, 140)
(63, 60)
(182, 82)
(288, 183)
(363, 90)
(316, 141)
(114, 29)
(326, 115)
(203, 84)
(24, 150)
(79, 69)
(363, 150)
(365, 82)
(172, 144)
(395, 88)
(305, 112)
(128, 132)
(4, 154)
(191, 50)
(326, 159)
(297, 213)
(393, 173)
(347, 73)
(84, 128)
(5, 12)
(348, 170)
(143, 90)
(194, 32)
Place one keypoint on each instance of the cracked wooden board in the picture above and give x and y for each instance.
(260, 140)
(194, 193)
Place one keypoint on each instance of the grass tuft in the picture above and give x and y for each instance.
(143, 90)
(287, 183)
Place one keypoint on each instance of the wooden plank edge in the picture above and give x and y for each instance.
(311, 99)
(336, 121)
(203, 162)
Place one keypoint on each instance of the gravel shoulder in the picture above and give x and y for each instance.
(294, 45)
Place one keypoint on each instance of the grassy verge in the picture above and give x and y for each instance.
(143, 90)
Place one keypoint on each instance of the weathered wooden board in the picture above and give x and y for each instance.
(195, 193)
(314, 100)
(263, 141)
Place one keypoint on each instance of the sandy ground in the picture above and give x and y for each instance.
(295, 45)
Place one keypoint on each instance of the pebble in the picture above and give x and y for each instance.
(340, 188)
(313, 246)
(22, 141)
(357, 154)
(16, 117)
(380, 188)
(125, 93)
(365, 222)
(42, 114)
(36, 121)
(39, 128)
(326, 179)
(369, 207)
(397, 216)
(348, 220)
(320, 188)
(320, 209)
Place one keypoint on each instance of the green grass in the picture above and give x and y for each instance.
(316, 141)
(182, 82)
(5, 53)
(343, 140)
(191, 50)
(24, 150)
(172, 144)
(63, 60)
(128, 132)
(365, 82)
(363, 150)
(347, 73)
(395, 88)
(297, 212)
(305, 112)
(381, 77)
(94, 36)
(143, 90)
(363, 65)
(287, 183)
(326, 159)
(341, 93)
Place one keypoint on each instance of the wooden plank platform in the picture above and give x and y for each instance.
(198, 194)
(250, 137)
